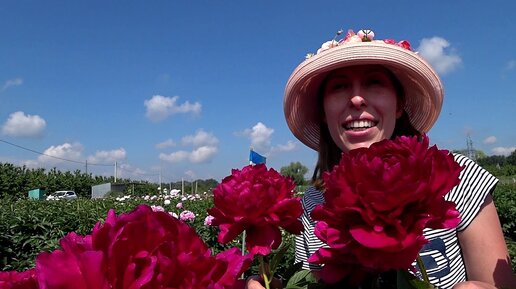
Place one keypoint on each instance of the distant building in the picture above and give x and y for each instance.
(102, 190)
(37, 194)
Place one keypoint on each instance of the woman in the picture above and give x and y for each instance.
(359, 91)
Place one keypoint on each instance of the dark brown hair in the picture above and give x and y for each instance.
(329, 153)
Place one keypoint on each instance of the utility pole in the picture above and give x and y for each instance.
(469, 148)
(86, 166)
(115, 170)
(160, 188)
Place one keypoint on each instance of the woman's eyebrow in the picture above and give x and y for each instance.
(338, 76)
(375, 70)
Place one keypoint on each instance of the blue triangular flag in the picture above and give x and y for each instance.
(256, 158)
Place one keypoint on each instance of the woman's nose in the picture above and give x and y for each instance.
(357, 100)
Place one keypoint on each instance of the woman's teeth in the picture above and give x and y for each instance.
(359, 124)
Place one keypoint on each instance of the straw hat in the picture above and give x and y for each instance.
(422, 86)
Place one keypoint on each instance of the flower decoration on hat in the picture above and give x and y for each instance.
(364, 35)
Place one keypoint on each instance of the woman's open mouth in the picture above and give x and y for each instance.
(358, 125)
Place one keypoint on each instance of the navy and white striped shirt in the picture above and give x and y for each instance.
(442, 255)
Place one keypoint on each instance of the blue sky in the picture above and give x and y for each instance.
(187, 87)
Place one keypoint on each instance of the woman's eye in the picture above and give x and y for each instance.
(374, 81)
(339, 86)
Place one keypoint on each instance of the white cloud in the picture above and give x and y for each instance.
(204, 149)
(440, 54)
(128, 171)
(174, 157)
(21, 125)
(107, 157)
(288, 147)
(160, 107)
(190, 174)
(203, 154)
(199, 139)
(260, 136)
(503, 151)
(510, 65)
(490, 140)
(60, 153)
(12, 82)
(165, 144)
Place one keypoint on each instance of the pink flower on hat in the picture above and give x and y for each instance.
(364, 35)
(327, 45)
(403, 43)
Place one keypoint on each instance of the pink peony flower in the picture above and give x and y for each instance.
(258, 201)
(18, 280)
(141, 249)
(187, 216)
(179, 205)
(157, 208)
(378, 200)
(208, 220)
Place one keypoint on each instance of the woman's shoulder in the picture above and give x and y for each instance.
(469, 195)
(312, 197)
(463, 160)
(471, 171)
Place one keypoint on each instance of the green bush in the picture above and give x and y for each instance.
(29, 226)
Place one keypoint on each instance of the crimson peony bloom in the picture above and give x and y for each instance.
(18, 280)
(378, 200)
(258, 201)
(141, 249)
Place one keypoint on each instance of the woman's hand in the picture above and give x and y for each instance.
(256, 282)
(473, 285)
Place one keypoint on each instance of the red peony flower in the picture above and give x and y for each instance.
(258, 201)
(18, 280)
(378, 200)
(141, 249)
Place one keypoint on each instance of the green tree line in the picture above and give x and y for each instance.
(17, 181)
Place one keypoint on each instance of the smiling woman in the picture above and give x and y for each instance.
(346, 101)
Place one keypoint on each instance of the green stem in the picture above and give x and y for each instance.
(264, 272)
(422, 268)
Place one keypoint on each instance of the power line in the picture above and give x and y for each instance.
(51, 156)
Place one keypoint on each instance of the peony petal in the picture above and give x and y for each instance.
(370, 238)
(236, 264)
(18, 280)
(62, 270)
(261, 240)
(229, 232)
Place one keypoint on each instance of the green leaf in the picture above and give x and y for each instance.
(406, 280)
(301, 279)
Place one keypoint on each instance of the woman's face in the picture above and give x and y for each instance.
(360, 106)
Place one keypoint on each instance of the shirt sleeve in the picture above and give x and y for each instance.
(469, 195)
